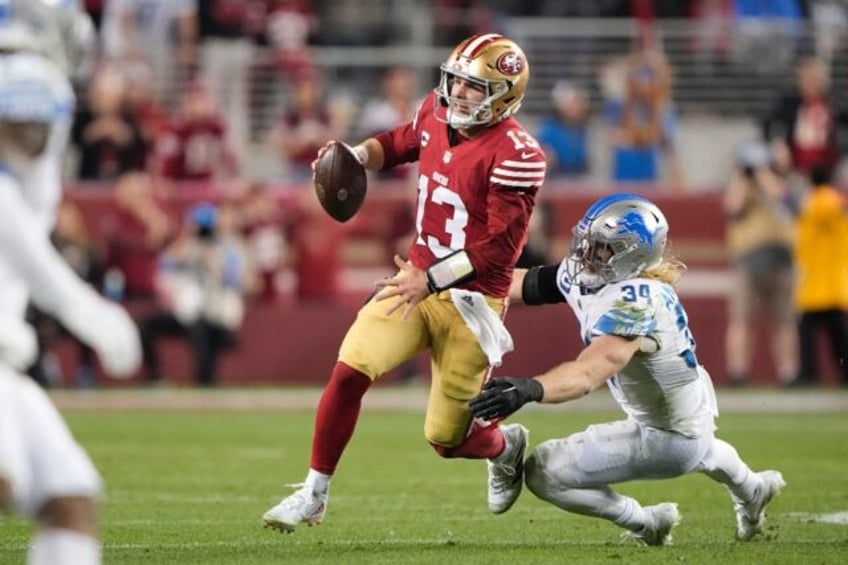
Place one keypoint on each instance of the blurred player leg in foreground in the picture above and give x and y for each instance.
(44, 475)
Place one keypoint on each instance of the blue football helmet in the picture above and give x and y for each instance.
(618, 237)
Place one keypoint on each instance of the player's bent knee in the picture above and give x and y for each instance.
(443, 444)
(534, 474)
(443, 450)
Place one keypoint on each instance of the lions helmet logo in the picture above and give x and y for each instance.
(510, 63)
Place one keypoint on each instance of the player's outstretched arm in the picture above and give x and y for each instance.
(598, 362)
(56, 288)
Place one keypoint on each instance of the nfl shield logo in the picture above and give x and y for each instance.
(446, 158)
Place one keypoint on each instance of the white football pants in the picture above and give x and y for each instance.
(38, 456)
(575, 472)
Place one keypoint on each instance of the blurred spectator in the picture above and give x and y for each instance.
(307, 124)
(107, 138)
(454, 20)
(643, 123)
(289, 26)
(810, 121)
(760, 237)
(161, 33)
(396, 103)
(141, 104)
(315, 251)
(354, 22)
(565, 134)
(135, 232)
(765, 34)
(830, 28)
(821, 253)
(712, 32)
(201, 285)
(585, 8)
(193, 146)
(71, 238)
(226, 30)
(260, 223)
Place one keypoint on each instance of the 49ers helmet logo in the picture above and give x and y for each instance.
(510, 63)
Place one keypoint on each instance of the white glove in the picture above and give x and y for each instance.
(108, 329)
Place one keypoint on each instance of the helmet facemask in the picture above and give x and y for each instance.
(462, 113)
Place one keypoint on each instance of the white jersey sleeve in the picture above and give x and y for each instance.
(663, 386)
(55, 288)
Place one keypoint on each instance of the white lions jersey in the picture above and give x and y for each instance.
(663, 386)
(39, 191)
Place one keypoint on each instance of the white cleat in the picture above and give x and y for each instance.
(751, 516)
(301, 507)
(507, 477)
(662, 519)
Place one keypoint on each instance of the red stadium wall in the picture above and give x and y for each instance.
(289, 342)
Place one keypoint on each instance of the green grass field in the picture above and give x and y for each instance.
(190, 487)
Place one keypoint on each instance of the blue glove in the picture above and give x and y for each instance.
(501, 396)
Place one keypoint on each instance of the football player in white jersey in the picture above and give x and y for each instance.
(619, 284)
(44, 474)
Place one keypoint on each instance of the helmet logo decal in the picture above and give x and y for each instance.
(510, 63)
(633, 223)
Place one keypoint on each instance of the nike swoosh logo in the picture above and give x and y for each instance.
(527, 155)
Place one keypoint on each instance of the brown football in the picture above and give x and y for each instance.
(340, 182)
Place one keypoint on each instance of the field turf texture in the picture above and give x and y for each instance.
(187, 482)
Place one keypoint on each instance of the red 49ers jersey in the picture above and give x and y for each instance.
(194, 150)
(476, 195)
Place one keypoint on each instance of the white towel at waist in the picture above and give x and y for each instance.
(484, 323)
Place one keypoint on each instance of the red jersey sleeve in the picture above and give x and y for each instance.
(513, 181)
(403, 143)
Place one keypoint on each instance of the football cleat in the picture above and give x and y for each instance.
(662, 518)
(506, 478)
(751, 516)
(304, 506)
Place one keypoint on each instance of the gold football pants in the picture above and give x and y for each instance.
(377, 343)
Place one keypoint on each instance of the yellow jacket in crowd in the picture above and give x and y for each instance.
(821, 251)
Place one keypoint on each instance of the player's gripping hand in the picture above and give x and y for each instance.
(501, 396)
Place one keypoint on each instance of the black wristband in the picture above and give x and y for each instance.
(540, 286)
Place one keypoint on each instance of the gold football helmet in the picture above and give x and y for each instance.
(494, 63)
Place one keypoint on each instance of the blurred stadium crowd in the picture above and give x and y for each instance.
(203, 116)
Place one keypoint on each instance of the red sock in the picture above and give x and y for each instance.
(480, 443)
(335, 419)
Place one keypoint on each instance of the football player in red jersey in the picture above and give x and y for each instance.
(478, 174)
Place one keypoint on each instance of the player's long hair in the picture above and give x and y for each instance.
(668, 271)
